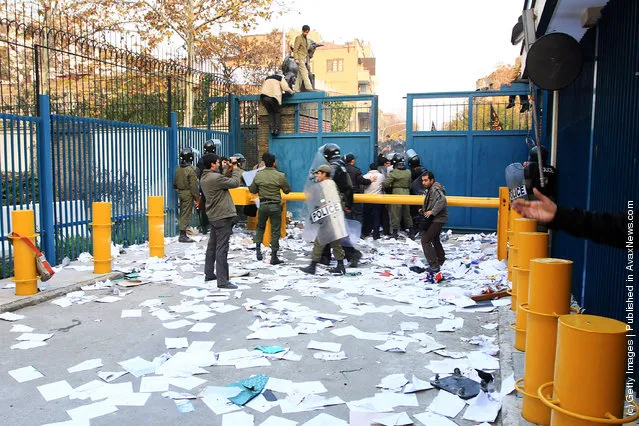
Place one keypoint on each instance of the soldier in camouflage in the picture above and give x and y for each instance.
(185, 183)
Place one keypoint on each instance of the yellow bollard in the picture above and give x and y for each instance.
(156, 226)
(519, 225)
(532, 245)
(24, 267)
(512, 215)
(502, 223)
(101, 237)
(548, 298)
(589, 383)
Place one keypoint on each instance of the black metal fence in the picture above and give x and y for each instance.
(86, 77)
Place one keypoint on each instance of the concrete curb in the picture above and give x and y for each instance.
(46, 295)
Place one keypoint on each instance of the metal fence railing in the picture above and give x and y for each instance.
(88, 160)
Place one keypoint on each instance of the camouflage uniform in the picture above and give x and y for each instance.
(267, 184)
(185, 183)
(398, 181)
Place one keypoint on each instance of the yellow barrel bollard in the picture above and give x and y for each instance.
(101, 237)
(532, 245)
(502, 223)
(589, 383)
(512, 215)
(24, 267)
(548, 298)
(519, 225)
(156, 226)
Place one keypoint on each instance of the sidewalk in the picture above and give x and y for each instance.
(68, 280)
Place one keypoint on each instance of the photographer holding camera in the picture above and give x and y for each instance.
(220, 209)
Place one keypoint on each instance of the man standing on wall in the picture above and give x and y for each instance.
(185, 183)
(221, 211)
(267, 184)
(271, 98)
(300, 52)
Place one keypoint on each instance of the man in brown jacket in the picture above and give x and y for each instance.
(300, 52)
(271, 97)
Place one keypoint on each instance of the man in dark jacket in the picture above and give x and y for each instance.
(603, 228)
(220, 210)
(359, 183)
(268, 183)
(436, 212)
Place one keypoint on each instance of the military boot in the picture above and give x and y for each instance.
(184, 238)
(274, 259)
(310, 269)
(258, 251)
(339, 269)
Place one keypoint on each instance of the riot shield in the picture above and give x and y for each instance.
(326, 215)
(515, 181)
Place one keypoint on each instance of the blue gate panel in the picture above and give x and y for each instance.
(490, 156)
(446, 157)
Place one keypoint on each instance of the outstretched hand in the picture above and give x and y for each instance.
(543, 210)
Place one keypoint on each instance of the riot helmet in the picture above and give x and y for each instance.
(186, 155)
(241, 160)
(210, 147)
(397, 158)
(532, 155)
(413, 158)
(331, 151)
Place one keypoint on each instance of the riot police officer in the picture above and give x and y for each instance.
(399, 181)
(344, 184)
(185, 183)
(416, 188)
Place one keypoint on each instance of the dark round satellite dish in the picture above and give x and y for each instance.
(554, 61)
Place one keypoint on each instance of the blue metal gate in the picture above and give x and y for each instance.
(467, 139)
(348, 121)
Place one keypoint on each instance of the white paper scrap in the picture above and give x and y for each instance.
(108, 299)
(330, 356)
(91, 411)
(484, 408)
(55, 390)
(27, 345)
(20, 328)
(34, 337)
(277, 421)
(324, 346)
(447, 404)
(86, 365)
(393, 381)
(240, 418)
(325, 419)
(450, 324)
(176, 342)
(25, 374)
(200, 346)
(109, 376)
(393, 345)
(394, 419)
(202, 327)
(128, 399)
(62, 302)
(507, 385)
(417, 385)
(10, 316)
(432, 419)
(154, 384)
(176, 324)
(131, 313)
(138, 366)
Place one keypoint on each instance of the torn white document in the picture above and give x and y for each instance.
(202, 327)
(154, 384)
(393, 382)
(25, 374)
(330, 356)
(109, 376)
(10, 316)
(55, 390)
(131, 313)
(176, 324)
(176, 342)
(324, 346)
(20, 328)
(394, 419)
(417, 385)
(450, 324)
(86, 365)
(34, 337)
(325, 419)
(138, 366)
(432, 419)
(447, 404)
(91, 411)
(393, 345)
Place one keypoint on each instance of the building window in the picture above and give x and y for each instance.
(363, 88)
(335, 65)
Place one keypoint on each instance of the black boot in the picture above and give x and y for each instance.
(395, 235)
(184, 238)
(412, 233)
(355, 258)
(339, 269)
(258, 251)
(274, 259)
(310, 269)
